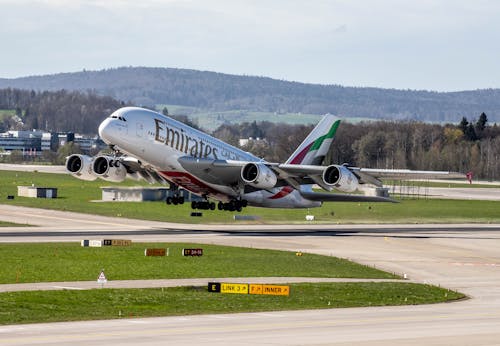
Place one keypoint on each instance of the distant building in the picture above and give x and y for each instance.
(245, 141)
(32, 143)
(25, 141)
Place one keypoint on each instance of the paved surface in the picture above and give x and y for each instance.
(86, 285)
(32, 168)
(485, 194)
(462, 257)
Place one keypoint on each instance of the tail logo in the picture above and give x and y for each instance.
(317, 147)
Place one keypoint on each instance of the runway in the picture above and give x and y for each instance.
(461, 257)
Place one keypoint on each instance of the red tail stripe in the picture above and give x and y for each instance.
(300, 156)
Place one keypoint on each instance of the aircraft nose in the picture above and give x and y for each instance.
(104, 129)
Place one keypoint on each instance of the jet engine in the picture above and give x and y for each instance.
(341, 178)
(109, 168)
(258, 175)
(80, 166)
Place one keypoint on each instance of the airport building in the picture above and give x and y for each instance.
(32, 143)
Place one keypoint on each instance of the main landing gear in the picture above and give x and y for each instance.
(203, 205)
(234, 205)
(175, 200)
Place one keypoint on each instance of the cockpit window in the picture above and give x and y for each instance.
(117, 117)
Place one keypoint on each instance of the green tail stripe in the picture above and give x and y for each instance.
(318, 142)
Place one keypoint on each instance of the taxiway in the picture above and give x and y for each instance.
(461, 257)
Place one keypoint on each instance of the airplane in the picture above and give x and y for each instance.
(154, 147)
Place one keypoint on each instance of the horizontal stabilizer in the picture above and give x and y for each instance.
(339, 197)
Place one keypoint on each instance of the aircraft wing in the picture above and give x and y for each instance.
(229, 172)
(222, 172)
(373, 175)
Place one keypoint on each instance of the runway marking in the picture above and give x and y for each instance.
(68, 288)
(89, 335)
(137, 321)
(11, 329)
(268, 314)
(72, 219)
(473, 264)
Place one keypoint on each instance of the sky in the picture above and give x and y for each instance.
(441, 45)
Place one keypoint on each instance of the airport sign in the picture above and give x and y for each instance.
(234, 288)
(154, 252)
(261, 289)
(192, 252)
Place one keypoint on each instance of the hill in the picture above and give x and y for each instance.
(217, 92)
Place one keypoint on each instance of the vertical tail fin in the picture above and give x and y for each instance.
(313, 149)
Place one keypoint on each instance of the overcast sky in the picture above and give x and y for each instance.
(415, 44)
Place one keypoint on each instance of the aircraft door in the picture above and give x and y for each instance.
(139, 129)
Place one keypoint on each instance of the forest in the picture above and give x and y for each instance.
(55, 111)
(469, 145)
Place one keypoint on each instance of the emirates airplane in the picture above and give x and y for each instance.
(151, 146)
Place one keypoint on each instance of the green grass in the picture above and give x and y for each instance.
(210, 120)
(76, 195)
(10, 224)
(52, 306)
(50, 262)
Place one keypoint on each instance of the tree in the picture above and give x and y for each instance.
(481, 125)
(67, 150)
(16, 156)
(463, 124)
(470, 133)
(165, 111)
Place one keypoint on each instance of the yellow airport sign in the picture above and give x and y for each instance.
(234, 288)
(255, 289)
(276, 290)
(273, 290)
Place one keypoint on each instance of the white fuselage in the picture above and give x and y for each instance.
(159, 141)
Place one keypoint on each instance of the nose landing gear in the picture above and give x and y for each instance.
(175, 200)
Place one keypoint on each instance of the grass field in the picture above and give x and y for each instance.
(46, 262)
(10, 224)
(77, 195)
(52, 306)
(210, 120)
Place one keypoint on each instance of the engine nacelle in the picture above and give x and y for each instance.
(258, 175)
(341, 178)
(109, 168)
(80, 166)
